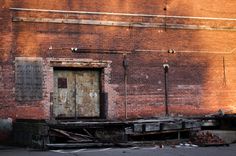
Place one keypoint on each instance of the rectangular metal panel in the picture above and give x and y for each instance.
(28, 78)
(171, 126)
(138, 127)
(191, 124)
(62, 82)
(64, 94)
(152, 127)
(76, 93)
(88, 94)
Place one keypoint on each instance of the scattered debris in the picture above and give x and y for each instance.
(190, 145)
(207, 139)
(73, 136)
(161, 146)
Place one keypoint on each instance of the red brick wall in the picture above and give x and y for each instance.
(199, 82)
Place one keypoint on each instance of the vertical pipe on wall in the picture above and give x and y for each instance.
(166, 68)
(51, 105)
(165, 13)
(224, 79)
(75, 92)
(125, 65)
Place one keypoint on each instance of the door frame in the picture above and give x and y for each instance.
(85, 64)
(73, 71)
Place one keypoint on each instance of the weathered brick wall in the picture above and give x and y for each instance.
(201, 77)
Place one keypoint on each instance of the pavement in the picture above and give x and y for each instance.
(132, 151)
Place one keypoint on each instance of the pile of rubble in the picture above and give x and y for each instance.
(207, 139)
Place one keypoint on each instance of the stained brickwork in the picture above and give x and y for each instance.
(202, 74)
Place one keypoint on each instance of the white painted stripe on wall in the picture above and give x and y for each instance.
(123, 14)
(121, 24)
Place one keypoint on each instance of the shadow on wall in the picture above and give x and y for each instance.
(208, 53)
(198, 72)
(196, 76)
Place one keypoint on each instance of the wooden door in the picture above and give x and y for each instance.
(76, 93)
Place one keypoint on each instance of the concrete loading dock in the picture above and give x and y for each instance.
(58, 133)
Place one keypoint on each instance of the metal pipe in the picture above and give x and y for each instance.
(75, 93)
(166, 67)
(113, 51)
(51, 105)
(165, 15)
(125, 65)
(187, 51)
(224, 80)
(94, 51)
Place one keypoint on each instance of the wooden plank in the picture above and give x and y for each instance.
(121, 24)
(73, 136)
(67, 135)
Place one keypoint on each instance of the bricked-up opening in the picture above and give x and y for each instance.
(28, 78)
(79, 90)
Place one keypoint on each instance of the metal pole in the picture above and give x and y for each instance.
(125, 65)
(166, 67)
(126, 116)
(224, 71)
(75, 96)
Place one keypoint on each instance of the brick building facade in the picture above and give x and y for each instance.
(126, 42)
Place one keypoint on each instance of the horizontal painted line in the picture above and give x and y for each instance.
(105, 149)
(120, 23)
(122, 14)
(187, 51)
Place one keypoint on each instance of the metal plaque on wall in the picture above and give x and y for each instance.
(28, 78)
